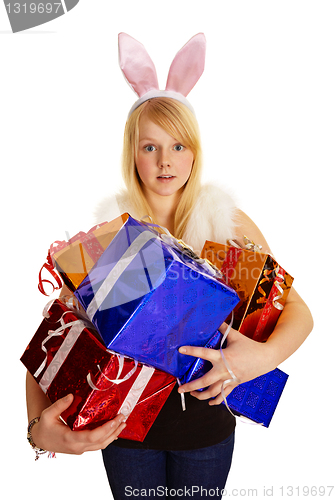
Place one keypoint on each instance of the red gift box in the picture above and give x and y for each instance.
(260, 282)
(66, 356)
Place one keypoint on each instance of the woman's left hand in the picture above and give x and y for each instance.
(246, 358)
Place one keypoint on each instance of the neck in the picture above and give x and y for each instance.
(163, 208)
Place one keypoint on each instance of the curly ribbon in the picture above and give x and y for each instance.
(266, 279)
(48, 265)
(118, 379)
(276, 284)
(91, 245)
(136, 390)
(250, 245)
(233, 379)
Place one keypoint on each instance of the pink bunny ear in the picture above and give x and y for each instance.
(188, 66)
(137, 66)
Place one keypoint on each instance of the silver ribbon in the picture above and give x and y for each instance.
(275, 302)
(136, 390)
(116, 272)
(233, 378)
(185, 249)
(117, 380)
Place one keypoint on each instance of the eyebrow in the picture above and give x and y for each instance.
(147, 139)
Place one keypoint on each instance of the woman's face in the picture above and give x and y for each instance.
(163, 164)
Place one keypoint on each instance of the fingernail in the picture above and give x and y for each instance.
(182, 350)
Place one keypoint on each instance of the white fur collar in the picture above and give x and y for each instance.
(212, 217)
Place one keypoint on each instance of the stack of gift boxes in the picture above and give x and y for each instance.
(137, 296)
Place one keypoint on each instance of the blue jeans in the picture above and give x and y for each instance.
(165, 474)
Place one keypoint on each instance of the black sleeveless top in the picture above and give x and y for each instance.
(199, 426)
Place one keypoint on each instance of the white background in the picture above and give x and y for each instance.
(266, 110)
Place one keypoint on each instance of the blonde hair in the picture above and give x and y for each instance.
(178, 121)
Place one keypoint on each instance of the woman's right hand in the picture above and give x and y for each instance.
(51, 434)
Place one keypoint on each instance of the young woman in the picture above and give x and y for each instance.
(185, 452)
(161, 169)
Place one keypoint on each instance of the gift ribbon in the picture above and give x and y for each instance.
(48, 265)
(230, 262)
(182, 247)
(109, 282)
(233, 378)
(272, 301)
(136, 390)
(118, 379)
(250, 245)
(88, 239)
(62, 353)
(276, 284)
(76, 327)
(280, 275)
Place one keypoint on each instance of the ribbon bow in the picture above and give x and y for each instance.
(182, 247)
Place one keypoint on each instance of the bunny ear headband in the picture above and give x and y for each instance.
(140, 72)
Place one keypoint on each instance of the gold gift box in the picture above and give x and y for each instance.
(76, 258)
(260, 282)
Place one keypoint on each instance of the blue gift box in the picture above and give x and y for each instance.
(256, 399)
(147, 298)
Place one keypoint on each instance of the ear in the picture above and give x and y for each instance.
(136, 65)
(188, 66)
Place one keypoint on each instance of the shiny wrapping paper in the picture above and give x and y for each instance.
(257, 399)
(254, 276)
(147, 298)
(74, 258)
(75, 361)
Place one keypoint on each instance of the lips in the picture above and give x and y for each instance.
(165, 179)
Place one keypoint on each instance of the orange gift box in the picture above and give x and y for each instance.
(260, 282)
(74, 258)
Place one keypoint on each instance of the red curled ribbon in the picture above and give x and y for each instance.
(48, 265)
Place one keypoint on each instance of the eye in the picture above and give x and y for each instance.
(178, 147)
(150, 148)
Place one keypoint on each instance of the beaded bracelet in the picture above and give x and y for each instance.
(38, 451)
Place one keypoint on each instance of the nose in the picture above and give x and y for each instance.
(164, 160)
(164, 164)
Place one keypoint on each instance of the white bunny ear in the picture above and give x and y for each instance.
(137, 66)
(188, 66)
